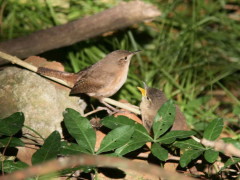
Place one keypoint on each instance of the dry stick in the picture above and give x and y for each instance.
(123, 15)
(122, 105)
(15, 60)
(96, 161)
(220, 145)
(196, 139)
(28, 66)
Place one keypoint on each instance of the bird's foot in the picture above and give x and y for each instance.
(100, 108)
(111, 110)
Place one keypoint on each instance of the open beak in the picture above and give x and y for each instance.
(143, 91)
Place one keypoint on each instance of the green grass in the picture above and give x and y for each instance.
(191, 50)
(21, 17)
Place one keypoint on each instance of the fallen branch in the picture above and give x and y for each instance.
(96, 161)
(15, 60)
(121, 16)
(220, 145)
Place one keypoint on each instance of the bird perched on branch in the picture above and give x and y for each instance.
(100, 80)
(152, 100)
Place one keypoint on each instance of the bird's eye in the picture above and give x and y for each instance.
(125, 58)
(148, 98)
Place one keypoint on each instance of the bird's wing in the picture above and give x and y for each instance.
(90, 81)
(86, 85)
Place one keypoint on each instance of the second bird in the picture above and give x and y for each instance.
(152, 100)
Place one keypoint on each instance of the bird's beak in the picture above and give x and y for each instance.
(135, 52)
(143, 91)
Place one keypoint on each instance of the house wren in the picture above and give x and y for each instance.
(152, 100)
(100, 80)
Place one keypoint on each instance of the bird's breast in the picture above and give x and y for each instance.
(113, 83)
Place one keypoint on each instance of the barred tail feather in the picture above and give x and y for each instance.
(66, 76)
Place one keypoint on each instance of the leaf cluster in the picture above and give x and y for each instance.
(125, 136)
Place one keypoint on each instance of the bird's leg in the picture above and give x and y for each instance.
(97, 110)
(111, 108)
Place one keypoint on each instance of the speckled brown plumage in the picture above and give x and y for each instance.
(100, 80)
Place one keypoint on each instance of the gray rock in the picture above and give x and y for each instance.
(41, 101)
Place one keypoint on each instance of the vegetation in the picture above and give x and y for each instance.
(191, 52)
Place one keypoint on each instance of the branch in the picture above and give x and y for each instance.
(220, 145)
(96, 161)
(129, 107)
(196, 139)
(121, 16)
(15, 60)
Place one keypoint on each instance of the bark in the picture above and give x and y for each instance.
(95, 161)
(121, 16)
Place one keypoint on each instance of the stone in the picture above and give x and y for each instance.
(41, 101)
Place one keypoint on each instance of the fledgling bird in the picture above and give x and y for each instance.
(152, 100)
(100, 80)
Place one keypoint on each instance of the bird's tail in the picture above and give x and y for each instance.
(66, 76)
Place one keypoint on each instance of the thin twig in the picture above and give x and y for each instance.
(31, 129)
(122, 105)
(177, 158)
(15, 60)
(196, 139)
(220, 145)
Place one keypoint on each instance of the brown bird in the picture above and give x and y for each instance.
(152, 100)
(100, 80)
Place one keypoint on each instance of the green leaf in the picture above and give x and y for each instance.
(164, 118)
(71, 148)
(113, 122)
(116, 138)
(141, 134)
(188, 156)
(139, 138)
(12, 124)
(234, 142)
(11, 142)
(11, 166)
(214, 129)
(80, 128)
(173, 135)
(49, 150)
(159, 152)
(189, 144)
(230, 162)
(129, 147)
(211, 155)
